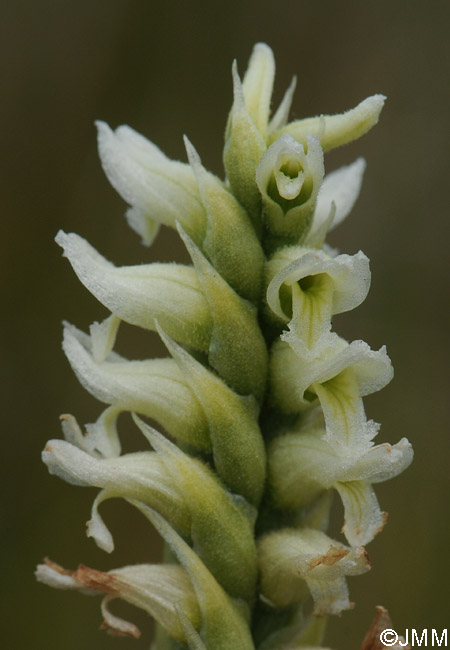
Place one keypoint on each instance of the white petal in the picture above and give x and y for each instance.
(102, 435)
(345, 418)
(341, 187)
(140, 294)
(101, 439)
(146, 227)
(96, 527)
(280, 118)
(117, 626)
(103, 337)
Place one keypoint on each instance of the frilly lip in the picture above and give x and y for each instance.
(292, 375)
(350, 275)
(292, 201)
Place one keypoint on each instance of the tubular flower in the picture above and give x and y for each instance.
(261, 400)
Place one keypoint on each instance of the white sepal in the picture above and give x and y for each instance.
(336, 130)
(103, 337)
(381, 463)
(342, 188)
(101, 438)
(140, 476)
(140, 294)
(143, 225)
(156, 187)
(160, 590)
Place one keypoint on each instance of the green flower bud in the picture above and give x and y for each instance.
(245, 145)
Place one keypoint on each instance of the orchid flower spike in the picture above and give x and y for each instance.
(258, 405)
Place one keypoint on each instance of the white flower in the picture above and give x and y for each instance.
(160, 190)
(292, 560)
(160, 590)
(306, 288)
(289, 177)
(153, 387)
(338, 378)
(303, 463)
(141, 294)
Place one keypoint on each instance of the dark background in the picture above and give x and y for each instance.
(165, 70)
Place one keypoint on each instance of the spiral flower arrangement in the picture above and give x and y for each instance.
(261, 401)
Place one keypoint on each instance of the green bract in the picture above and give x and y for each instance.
(261, 400)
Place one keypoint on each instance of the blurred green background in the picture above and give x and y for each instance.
(165, 70)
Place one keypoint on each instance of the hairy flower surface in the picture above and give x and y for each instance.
(261, 400)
